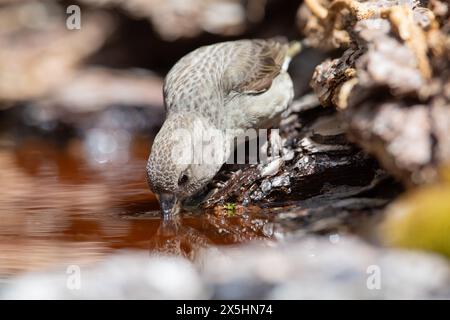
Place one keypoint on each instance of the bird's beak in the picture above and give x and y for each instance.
(169, 204)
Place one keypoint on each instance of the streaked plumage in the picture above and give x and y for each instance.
(230, 85)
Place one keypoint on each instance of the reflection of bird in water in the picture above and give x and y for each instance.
(174, 238)
(213, 95)
(186, 235)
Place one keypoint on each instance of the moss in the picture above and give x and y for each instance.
(230, 208)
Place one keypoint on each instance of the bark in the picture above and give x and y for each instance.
(391, 83)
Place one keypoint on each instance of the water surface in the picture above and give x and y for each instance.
(76, 203)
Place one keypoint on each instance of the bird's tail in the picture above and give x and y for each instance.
(294, 48)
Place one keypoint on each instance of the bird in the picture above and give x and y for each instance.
(225, 87)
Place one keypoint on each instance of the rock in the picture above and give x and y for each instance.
(38, 52)
(180, 19)
(123, 276)
(93, 89)
(317, 268)
(312, 268)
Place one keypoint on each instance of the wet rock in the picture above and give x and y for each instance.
(281, 181)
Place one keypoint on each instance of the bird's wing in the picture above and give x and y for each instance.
(256, 64)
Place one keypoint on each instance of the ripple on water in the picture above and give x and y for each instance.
(57, 208)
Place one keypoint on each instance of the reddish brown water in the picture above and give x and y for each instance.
(58, 207)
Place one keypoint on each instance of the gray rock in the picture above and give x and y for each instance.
(337, 267)
(127, 275)
(321, 268)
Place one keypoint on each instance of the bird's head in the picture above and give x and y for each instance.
(180, 162)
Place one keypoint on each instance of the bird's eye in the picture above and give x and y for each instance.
(183, 179)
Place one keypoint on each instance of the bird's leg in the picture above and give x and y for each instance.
(274, 144)
(218, 184)
(224, 175)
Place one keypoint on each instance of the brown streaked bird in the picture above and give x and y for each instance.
(225, 87)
